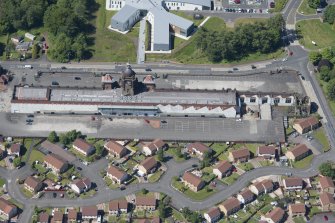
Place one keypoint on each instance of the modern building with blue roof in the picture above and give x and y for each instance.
(163, 23)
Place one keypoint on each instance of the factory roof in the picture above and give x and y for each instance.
(31, 93)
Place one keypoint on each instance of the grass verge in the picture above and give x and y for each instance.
(305, 9)
(305, 162)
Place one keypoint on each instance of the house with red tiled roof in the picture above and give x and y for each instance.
(43, 218)
(327, 201)
(198, 149)
(115, 149)
(305, 125)
(230, 206)
(222, 169)
(117, 207)
(14, 149)
(152, 147)
(297, 210)
(55, 163)
(239, 156)
(293, 183)
(277, 215)
(58, 217)
(72, 215)
(81, 185)
(192, 181)
(89, 213)
(7, 209)
(33, 184)
(267, 152)
(83, 147)
(213, 215)
(246, 196)
(148, 203)
(262, 187)
(298, 152)
(117, 175)
(327, 184)
(147, 166)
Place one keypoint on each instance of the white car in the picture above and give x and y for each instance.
(284, 59)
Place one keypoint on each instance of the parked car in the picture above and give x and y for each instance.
(77, 78)
(54, 83)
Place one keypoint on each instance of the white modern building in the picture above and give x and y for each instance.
(163, 23)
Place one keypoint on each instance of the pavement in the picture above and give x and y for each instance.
(141, 42)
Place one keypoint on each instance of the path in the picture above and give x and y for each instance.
(141, 42)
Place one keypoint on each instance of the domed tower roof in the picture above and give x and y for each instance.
(128, 72)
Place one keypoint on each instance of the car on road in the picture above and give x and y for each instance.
(30, 116)
(284, 59)
(235, 68)
(63, 68)
(10, 160)
(54, 83)
(325, 218)
(253, 67)
(272, 5)
(29, 120)
(148, 69)
(29, 123)
(77, 78)
(230, 71)
(79, 168)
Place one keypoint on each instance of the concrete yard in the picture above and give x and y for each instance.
(180, 129)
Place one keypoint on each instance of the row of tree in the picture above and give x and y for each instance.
(329, 14)
(263, 37)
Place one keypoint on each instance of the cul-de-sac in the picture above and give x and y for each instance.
(167, 111)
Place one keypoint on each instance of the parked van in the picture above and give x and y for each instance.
(28, 66)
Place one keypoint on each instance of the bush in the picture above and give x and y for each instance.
(329, 14)
(314, 3)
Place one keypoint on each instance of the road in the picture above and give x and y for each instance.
(298, 61)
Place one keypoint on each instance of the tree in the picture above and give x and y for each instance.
(331, 89)
(206, 161)
(144, 191)
(327, 53)
(324, 73)
(315, 57)
(35, 51)
(17, 161)
(326, 169)
(162, 210)
(329, 14)
(63, 138)
(53, 137)
(160, 155)
(99, 149)
(191, 216)
(314, 3)
(178, 152)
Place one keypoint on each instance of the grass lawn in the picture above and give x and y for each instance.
(223, 156)
(231, 179)
(320, 135)
(40, 168)
(299, 220)
(314, 30)
(110, 45)
(155, 177)
(27, 193)
(52, 177)
(215, 23)
(305, 9)
(172, 152)
(2, 182)
(36, 155)
(252, 147)
(241, 21)
(280, 5)
(110, 183)
(87, 194)
(198, 196)
(304, 162)
(219, 148)
(182, 14)
(26, 143)
(246, 166)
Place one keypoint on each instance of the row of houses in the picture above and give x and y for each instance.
(92, 213)
(277, 215)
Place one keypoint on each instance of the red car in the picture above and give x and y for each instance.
(272, 5)
(237, 1)
(325, 217)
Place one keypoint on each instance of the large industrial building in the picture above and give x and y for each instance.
(130, 97)
(163, 23)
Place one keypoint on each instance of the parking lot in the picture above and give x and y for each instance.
(246, 6)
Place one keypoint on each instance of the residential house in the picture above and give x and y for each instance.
(43, 218)
(297, 210)
(58, 217)
(306, 124)
(33, 184)
(276, 215)
(145, 203)
(83, 147)
(293, 183)
(267, 152)
(246, 196)
(14, 149)
(152, 147)
(222, 169)
(81, 185)
(117, 175)
(192, 181)
(115, 149)
(327, 184)
(146, 220)
(213, 215)
(23, 46)
(7, 209)
(239, 156)
(89, 213)
(262, 187)
(117, 207)
(298, 152)
(198, 149)
(72, 215)
(147, 166)
(230, 206)
(327, 202)
(55, 163)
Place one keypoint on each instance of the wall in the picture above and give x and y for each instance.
(182, 6)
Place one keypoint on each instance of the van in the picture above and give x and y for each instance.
(28, 67)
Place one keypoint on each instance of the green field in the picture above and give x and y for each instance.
(241, 21)
(305, 9)
(320, 135)
(110, 45)
(314, 30)
(305, 162)
(36, 155)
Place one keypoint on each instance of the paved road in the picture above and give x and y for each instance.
(141, 43)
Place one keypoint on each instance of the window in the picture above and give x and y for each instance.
(288, 100)
(252, 99)
(264, 100)
(276, 100)
(242, 99)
